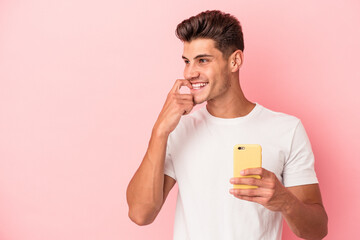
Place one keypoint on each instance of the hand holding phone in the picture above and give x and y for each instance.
(246, 156)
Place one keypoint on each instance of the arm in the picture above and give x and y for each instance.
(305, 213)
(301, 206)
(149, 186)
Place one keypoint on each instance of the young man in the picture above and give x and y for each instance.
(195, 150)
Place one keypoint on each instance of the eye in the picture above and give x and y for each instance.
(186, 61)
(202, 60)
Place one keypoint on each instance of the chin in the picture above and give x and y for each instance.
(199, 100)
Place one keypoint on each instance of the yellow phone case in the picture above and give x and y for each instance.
(246, 156)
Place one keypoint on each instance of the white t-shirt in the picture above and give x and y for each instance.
(199, 157)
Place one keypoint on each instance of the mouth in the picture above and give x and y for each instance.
(199, 85)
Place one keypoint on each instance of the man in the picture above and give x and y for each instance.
(195, 150)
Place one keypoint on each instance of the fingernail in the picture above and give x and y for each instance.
(242, 172)
(232, 180)
(231, 191)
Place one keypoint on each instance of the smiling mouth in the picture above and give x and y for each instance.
(198, 85)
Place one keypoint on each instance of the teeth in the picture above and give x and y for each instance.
(198, 85)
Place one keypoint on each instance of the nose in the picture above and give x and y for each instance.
(190, 73)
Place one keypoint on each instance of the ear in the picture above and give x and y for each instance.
(236, 60)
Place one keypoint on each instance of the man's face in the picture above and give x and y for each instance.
(206, 69)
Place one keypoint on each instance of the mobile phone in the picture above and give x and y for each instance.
(246, 156)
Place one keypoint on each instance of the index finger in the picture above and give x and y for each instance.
(253, 171)
(179, 83)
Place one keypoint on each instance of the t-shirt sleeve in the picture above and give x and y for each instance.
(299, 166)
(168, 165)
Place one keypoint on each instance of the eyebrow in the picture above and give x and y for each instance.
(198, 56)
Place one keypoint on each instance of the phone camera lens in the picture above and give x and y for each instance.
(241, 148)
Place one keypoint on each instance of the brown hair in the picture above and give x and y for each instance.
(221, 27)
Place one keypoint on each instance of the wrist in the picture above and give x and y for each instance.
(159, 132)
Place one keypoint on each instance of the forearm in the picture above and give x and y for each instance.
(145, 190)
(306, 220)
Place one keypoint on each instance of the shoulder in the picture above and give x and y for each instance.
(276, 122)
(278, 118)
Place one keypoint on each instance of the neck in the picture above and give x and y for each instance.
(232, 104)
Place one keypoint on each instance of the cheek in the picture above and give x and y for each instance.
(211, 74)
(218, 75)
(223, 81)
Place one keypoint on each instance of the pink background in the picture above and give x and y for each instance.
(82, 83)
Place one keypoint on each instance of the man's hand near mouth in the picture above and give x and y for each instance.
(176, 105)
